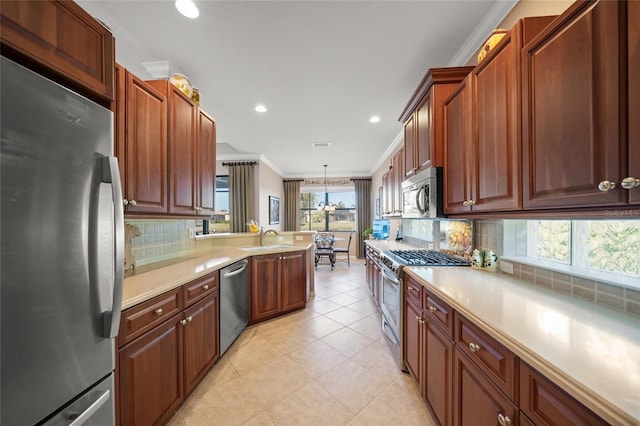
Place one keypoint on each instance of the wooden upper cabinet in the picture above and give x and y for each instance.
(633, 73)
(143, 155)
(458, 149)
(497, 139)
(423, 115)
(572, 85)
(63, 38)
(205, 164)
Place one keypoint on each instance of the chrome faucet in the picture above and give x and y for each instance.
(263, 233)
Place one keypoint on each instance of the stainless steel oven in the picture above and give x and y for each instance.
(422, 194)
(391, 306)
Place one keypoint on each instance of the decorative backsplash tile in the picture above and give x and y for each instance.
(161, 240)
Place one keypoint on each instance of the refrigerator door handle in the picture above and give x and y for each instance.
(86, 414)
(111, 174)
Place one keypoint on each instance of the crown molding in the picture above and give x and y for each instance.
(399, 140)
(496, 14)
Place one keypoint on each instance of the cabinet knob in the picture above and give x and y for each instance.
(183, 322)
(465, 203)
(189, 318)
(205, 287)
(433, 309)
(133, 202)
(606, 185)
(418, 318)
(474, 347)
(158, 311)
(471, 203)
(421, 321)
(125, 201)
(630, 183)
(409, 288)
(504, 420)
(196, 208)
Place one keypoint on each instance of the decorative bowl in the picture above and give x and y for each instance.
(182, 82)
(492, 41)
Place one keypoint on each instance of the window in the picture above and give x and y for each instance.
(605, 246)
(220, 221)
(343, 218)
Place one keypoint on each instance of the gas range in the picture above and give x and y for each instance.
(396, 259)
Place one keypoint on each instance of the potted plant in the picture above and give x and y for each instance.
(366, 233)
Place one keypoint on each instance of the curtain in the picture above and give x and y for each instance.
(241, 194)
(363, 205)
(291, 204)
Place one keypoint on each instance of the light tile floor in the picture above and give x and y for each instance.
(328, 364)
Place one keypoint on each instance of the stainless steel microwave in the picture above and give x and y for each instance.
(422, 194)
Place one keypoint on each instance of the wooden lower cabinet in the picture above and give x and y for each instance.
(546, 404)
(413, 340)
(201, 340)
(160, 368)
(151, 375)
(278, 284)
(477, 401)
(438, 367)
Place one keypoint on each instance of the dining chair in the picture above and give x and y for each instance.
(324, 248)
(344, 250)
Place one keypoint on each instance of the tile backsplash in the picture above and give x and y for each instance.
(161, 240)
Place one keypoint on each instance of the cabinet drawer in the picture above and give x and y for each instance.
(200, 288)
(145, 316)
(413, 290)
(495, 360)
(438, 311)
(546, 404)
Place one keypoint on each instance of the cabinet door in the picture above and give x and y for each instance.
(293, 280)
(120, 118)
(413, 342)
(387, 192)
(182, 152)
(201, 340)
(458, 149)
(476, 400)
(497, 141)
(397, 168)
(206, 164)
(424, 148)
(145, 148)
(409, 145)
(571, 85)
(64, 38)
(545, 404)
(151, 375)
(438, 373)
(633, 65)
(265, 286)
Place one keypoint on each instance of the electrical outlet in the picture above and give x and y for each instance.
(506, 267)
(299, 238)
(191, 233)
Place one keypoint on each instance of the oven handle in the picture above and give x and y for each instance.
(390, 275)
(419, 199)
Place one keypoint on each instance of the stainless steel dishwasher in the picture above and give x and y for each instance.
(234, 302)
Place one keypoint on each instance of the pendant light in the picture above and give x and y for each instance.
(326, 205)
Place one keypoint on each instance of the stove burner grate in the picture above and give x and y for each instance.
(428, 258)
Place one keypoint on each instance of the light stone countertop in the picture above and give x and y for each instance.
(590, 351)
(146, 285)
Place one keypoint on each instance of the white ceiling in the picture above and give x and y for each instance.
(322, 68)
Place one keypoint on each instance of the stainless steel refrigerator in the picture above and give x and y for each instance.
(61, 253)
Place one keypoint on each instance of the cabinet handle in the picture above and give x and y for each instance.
(183, 322)
(125, 201)
(471, 203)
(409, 288)
(158, 311)
(504, 420)
(196, 208)
(205, 287)
(133, 202)
(433, 309)
(606, 185)
(465, 203)
(421, 321)
(474, 347)
(418, 318)
(189, 318)
(630, 183)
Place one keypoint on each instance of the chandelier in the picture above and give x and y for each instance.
(326, 205)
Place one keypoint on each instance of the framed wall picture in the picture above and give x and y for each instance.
(274, 210)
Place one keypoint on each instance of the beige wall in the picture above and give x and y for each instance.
(269, 183)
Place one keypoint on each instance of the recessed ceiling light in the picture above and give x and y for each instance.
(374, 119)
(187, 8)
(261, 108)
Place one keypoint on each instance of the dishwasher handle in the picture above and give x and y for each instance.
(237, 271)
